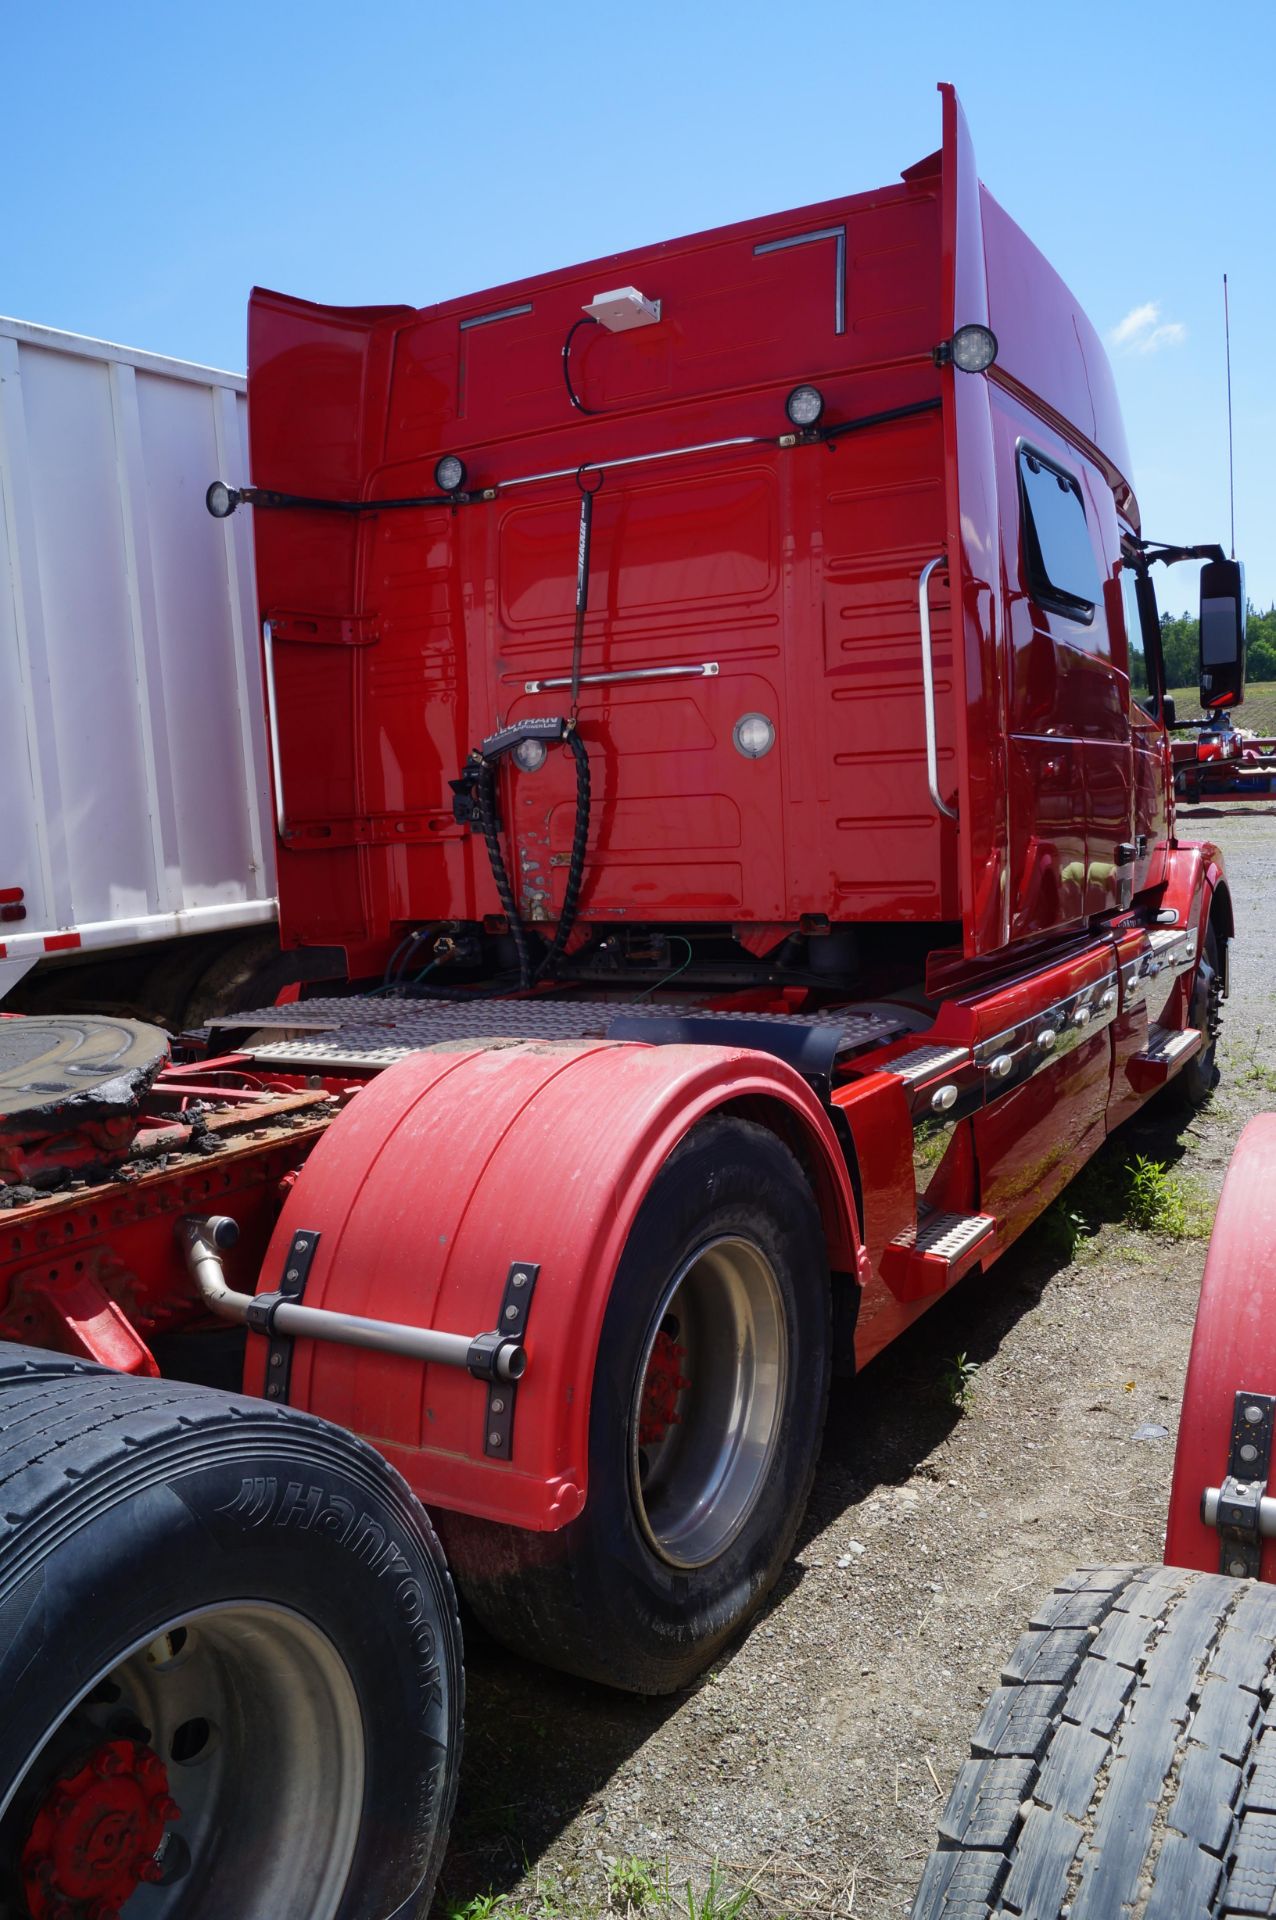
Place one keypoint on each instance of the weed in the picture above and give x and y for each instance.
(1065, 1227)
(487, 1906)
(632, 1883)
(1255, 1072)
(1154, 1199)
(957, 1381)
(717, 1902)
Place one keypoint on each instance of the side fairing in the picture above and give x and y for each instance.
(974, 560)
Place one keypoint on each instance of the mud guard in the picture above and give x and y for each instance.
(457, 1162)
(1233, 1345)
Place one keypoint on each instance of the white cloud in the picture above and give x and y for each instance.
(1144, 331)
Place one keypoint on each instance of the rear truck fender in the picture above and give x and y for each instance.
(455, 1168)
(1231, 1371)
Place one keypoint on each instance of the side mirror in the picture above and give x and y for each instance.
(1169, 712)
(1222, 638)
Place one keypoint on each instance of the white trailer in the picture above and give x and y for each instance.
(134, 790)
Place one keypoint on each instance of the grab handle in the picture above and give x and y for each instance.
(928, 687)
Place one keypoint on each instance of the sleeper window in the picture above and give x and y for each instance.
(1061, 567)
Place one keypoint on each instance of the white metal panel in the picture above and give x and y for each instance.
(133, 783)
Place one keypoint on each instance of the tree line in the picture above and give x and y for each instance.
(1179, 646)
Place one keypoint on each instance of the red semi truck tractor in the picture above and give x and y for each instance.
(699, 702)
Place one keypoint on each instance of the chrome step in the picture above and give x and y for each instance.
(948, 1236)
(940, 1249)
(1166, 1051)
(1170, 1044)
(924, 1063)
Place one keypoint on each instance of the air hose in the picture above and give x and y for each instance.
(479, 780)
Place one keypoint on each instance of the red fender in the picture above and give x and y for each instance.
(1193, 872)
(453, 1164)
(1233, 1345)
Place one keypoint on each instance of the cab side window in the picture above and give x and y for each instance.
(1140, 688)
(1062, 572)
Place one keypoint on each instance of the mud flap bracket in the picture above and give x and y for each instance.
(1240, 1509)
(498, 1432)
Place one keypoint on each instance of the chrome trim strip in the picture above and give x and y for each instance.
(837, 234)
(632, 460)
(502, 313)
(706, 670)
(928, 688)
(272, 717)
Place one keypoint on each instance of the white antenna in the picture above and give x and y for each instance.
(1231, 472)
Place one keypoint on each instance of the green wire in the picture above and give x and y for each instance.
(656, 986)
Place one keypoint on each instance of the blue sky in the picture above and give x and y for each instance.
(164, 158)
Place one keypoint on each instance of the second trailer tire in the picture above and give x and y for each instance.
(707, 1411)
(1128, 1762)
(230, 1662)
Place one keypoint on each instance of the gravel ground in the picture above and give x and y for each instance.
(810, 1764)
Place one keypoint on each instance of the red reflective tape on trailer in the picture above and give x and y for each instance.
(3, 950)
(60, 942)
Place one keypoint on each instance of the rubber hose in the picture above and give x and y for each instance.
(576, 864)
(496, 860)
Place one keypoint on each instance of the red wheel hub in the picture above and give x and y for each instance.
(95, 1837)
(658, 1409)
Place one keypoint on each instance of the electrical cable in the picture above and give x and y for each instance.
(586, 320)
(682, 968)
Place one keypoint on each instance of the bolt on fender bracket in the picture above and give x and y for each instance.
(1241, 1509)
(498, 1430)
(261, 1314)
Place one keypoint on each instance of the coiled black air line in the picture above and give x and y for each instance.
(576, 861)
(486, 796)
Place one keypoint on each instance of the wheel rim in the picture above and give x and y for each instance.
(216, 1769)
(708, 1406)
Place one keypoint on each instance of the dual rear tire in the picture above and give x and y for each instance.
(709, 1396)
(229, 1659)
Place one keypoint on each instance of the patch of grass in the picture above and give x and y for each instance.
(487, 1906)
(1253, 1071)
(957, 1381)
(633, 1884)
(717, 1902)
(1155, 1201)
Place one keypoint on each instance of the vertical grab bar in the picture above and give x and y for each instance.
(928, 687)
(272, 720)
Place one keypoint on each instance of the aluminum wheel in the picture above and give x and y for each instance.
(708, 1407)
(216, 1770)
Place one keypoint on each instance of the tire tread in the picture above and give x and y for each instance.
(1138, 1714)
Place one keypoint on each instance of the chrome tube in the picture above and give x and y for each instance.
(928, 688)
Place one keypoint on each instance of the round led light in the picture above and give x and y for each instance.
(754, 735)
(449, 474)
(974, 349)
(221, 500)
(530, 754)
(804, 406)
